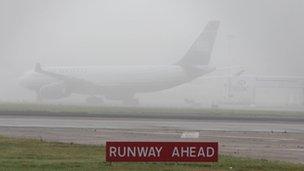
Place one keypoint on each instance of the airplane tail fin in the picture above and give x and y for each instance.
(200, 51)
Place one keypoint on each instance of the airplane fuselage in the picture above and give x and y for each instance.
(135, 79)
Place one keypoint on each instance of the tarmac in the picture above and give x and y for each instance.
(273, 139)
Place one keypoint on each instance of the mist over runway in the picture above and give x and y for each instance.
(277, 139)
(88, 72)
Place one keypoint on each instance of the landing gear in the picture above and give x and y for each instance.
(94, 100)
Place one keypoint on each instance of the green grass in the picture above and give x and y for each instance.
(153, 111)
(28, 154)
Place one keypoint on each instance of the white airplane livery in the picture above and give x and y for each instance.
(122, 82)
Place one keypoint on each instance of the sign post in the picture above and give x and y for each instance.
(161, 151)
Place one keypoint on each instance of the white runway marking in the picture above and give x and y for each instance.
(190, 135)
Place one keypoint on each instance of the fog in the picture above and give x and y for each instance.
(264, 36)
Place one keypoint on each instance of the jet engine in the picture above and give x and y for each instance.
(54, 91)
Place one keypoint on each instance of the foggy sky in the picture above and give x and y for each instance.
(268, 32)
(265, 36)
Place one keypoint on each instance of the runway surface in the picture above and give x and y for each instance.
(276, 139)
(140, 123)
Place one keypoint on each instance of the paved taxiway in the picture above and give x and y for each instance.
(278, 139)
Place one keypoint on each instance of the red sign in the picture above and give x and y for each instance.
(161, 151)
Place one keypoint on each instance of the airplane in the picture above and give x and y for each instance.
(122, 82)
